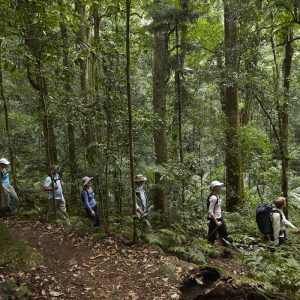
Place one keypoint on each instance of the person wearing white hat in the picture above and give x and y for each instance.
(88, 198)
(216, 222)
(10, 197)
(54, 186)
(141, 197)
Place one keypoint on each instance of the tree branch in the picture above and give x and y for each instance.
(289, 41)
(269, 118)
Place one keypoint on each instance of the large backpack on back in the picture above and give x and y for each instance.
(263, 219)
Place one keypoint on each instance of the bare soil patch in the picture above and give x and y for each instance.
(81, 267)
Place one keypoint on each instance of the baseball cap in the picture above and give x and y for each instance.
(4, 161)
(216, 183)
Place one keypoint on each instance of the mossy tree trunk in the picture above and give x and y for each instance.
(160, 75)
(234, 175)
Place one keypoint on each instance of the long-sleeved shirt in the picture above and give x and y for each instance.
(88, 197)
(279, 225)
(214, 207)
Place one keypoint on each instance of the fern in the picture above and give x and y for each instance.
(156, 239)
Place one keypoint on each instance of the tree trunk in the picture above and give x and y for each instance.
(82, 40)
(283, 110)
(178, 85)
(160, 72)
(70, 128)
(7, 125)
(234, 176)
(130, 137)
(33, 41)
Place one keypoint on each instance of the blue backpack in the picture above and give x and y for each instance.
(263, 219)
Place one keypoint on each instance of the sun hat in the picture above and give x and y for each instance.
(55, 167)
(86, 180)
(139, 178)
(4, 161)
(215, 184)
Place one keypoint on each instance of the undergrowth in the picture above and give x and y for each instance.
(14, 254)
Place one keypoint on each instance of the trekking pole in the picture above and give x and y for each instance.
(230, 244)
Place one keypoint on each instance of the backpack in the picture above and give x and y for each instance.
(263, 219)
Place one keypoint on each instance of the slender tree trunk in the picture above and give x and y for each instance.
(178, 86)
(35, 76)
(68, 88)
(7, 125)
(234, 176)
(160, 72)
(130, 137)
(83, 61)
(283, 110)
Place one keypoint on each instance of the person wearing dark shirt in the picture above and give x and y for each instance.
(88, 198)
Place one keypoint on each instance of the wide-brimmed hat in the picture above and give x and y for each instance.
(55, 167)
(139, 178)
(86, 180)
(215, 184)
(4, 161)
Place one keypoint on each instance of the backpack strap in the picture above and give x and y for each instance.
(275, 210)
(208, 203)
(56, 178)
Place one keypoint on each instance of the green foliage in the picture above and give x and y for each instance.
(266, 266)
(14, 254)
(10, 290)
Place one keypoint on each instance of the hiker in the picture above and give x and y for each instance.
(216, 223)
(54, 186)
(88, 198)
(141, 197)
(10, 197)
(279, 221)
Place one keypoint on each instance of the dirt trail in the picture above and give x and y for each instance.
(80, 267)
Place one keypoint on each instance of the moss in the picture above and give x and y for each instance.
(14, 254)
(167, 271)
(10, 290)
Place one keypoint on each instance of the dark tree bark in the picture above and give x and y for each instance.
(34, 43)
(283, 114)
(130, 136)
(7, 125)
(160, 74)
(82, 39)
(178, 86)
(68, 87)
(234, 176)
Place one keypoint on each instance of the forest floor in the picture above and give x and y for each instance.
(79, 267)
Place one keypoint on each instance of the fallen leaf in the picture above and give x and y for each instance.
(55, 294)
(199, 281)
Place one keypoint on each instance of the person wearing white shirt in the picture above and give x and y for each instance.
(54, 186)
(216, 222)
(279, 221)
(141, 197)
